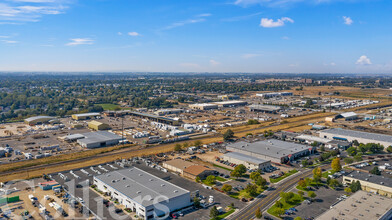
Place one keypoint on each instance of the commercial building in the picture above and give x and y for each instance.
(348, 116)
(274, 150)
(265, 108)
(146, 195)
(177, 165)
(252, 163)
(370, 183)
(360, 136)
(203, 106)
(73, 137)
(168, 111)
(195, 171)
(273, 94)
(233, 103)
(156, 118)
(360, 205)
(85, 116)
(38, 120)
(98, 126)
(99, 139)
(309, 139)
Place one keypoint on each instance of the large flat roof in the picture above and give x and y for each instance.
(313, 138)
(243, 157)
(88, 114)
(360, 205)
(272, 148)
(139, 185)
(153, 116)
(179, 163)
(230, 102)
(98, 136)
(266, 107)
(359, 134)
(376, 179)
(39, 117)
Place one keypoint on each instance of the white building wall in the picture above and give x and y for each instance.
(351, 139)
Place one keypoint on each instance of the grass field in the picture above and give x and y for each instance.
(109, 107)
(295, 201)
(224, 215)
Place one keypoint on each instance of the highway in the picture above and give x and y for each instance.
(269, 196)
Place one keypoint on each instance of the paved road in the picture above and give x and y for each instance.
(269, 196)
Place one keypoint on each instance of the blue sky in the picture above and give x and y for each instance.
(312, 36)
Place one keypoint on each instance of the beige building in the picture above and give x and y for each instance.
(85, 116)
(252, 163)
(203, 106)
(371, 183)
(360, 205)
(38, 120)
(98, 126)
(197, 171)
(177, 165)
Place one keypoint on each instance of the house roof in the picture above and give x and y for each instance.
(196, 169)
(179, 163)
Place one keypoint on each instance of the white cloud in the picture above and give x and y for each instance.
(270, 23)
(9, 41)
(133, 34)
(16, 11)
(204, 15)
(119, 33)
(280, 3)
(363, 60)
(182, 23)
(285, 38)
(332, 64)
(214, 62)
(347, 20)
(250, 55)
(80, 41)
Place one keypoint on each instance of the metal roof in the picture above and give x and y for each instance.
(349, 114)
(371, 178)
(88, 114)
(74, 137)
(246, 158)
(313, 138)
(272, 148)
(98, 137)
(39, 117)
(358, 134)
(266, 107)
(139, 185)
(232, 102)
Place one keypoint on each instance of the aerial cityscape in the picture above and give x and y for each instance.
(196, 110)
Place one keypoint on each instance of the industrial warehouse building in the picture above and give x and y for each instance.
(252, 163)
(168, 111)
(98, 126)
(273, 94)
(203, 106)
(143, 193)
(274, 150)
(98, 139)
(233, 103)
(265, 108)
(177, 165)
(360, 136)
(85, 116)
(347, 116)
(156, 118)
(195, 171)
(370, 183)
(38, 120)
(360, 205)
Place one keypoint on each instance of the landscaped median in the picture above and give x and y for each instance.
(291, 172)
(287, 201)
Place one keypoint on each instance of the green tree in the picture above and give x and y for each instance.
(198, 179)
(260, 181)
(355, 186)
(211, 179)
(358, 157)
(278, 204)
(375, 171)
(336, 164)
(352, 151)
(355, 143)
(258, 213)
(214, 213)
(253, 122)
(185, 145)
(254, 175)
(301, 193)
(280, 211)
(317, 173)
(241, 169)
(334, 183)
(347, 190)
(298, 218)
(312, 194)
(348, 160)
(235, 174)
(178, 147)
(251, 189)
(227, 188)
(196, 202)
(302, 183)
(228, 135)
(389, 149)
